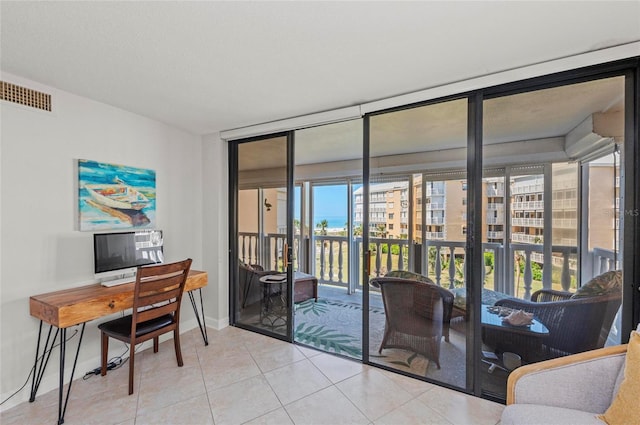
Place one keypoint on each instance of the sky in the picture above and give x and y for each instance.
(329, 202)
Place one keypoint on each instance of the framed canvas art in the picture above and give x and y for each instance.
(114, 196)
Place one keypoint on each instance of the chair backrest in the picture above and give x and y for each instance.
(404, 299)
(447, 296)
(158, 291)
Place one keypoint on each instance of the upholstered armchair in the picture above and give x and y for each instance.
(568, 390)
(413, 316)
(447, 296)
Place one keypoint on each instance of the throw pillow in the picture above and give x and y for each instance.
(606, 283)
(624, 409)
(404, 274)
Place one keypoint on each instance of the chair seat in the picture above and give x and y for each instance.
(122, 325)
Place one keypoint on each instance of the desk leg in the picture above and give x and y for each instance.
(202, 325)
(43, 360)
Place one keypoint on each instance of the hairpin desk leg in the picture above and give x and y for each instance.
(42, 360)
(201, 324)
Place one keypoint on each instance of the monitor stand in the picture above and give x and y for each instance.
(120, 281)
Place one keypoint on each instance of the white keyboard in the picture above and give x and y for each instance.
(116, 282)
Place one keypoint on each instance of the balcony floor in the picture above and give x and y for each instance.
(452, 353)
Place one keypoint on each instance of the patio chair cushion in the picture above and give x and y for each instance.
(489, 297)
(625, 403)
(404, 274)
(606, 283)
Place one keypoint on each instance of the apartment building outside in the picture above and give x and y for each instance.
(444, 205)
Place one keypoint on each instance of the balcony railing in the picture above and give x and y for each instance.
(529, 188)
(565, 223)
(434, 191)
(531, 239)
(565, 204)
(435, 220)
(332, 263)
(529, 222)
(528, 205)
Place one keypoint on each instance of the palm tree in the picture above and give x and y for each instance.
(296, 226)
(382, 230)
(323, 227)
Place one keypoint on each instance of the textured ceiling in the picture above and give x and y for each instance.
(211, 66)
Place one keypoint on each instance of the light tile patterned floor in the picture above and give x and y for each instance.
(244, 377)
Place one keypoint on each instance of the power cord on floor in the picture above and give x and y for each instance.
(33, 369)
(98, 370)
(113, 363)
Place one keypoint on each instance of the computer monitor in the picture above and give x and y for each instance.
(117, 255)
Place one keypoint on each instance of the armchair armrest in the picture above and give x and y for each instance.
(554, 382)
(546, 295)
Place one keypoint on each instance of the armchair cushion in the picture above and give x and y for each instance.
(624, 409)
(404, 274)
(604, 284)
(489, 297)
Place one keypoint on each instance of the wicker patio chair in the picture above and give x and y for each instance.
(413, 316)
(577, 322)
(447, 296)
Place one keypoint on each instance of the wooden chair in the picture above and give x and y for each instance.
(156, 310)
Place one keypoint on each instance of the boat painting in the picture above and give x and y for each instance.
(118, 196)
(115, 196)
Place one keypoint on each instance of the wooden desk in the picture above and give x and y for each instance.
(76, 306)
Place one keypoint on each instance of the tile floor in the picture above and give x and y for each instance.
(246, 378)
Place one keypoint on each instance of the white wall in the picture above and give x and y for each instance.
(41, 248)
(216, 225)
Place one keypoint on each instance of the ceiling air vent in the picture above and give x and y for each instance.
(24, 96)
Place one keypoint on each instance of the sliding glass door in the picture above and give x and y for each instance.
(453, 240)
(552, 208)
(328, 168)
(416, 222)
(263, 255)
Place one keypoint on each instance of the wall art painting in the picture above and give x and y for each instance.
(114, 197)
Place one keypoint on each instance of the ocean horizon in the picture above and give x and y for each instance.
(335, 222)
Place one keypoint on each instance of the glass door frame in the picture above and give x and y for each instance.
(234, 229)
(630, 263)
(629, 68)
